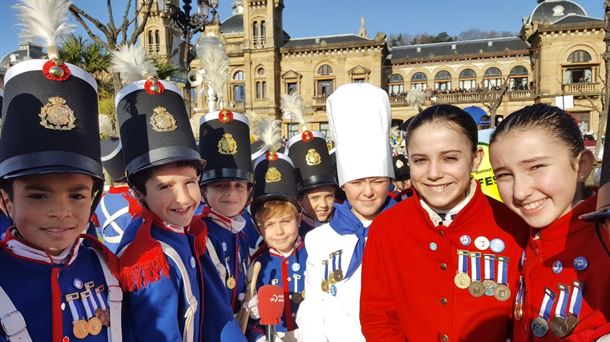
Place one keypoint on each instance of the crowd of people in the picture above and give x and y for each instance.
(236, 236)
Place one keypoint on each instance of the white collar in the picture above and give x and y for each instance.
(435, 216)
(19, 248)
(234, 224)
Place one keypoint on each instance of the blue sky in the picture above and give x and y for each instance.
(305, 18)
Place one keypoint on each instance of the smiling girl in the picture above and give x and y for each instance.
(541, 165)
(443, 264)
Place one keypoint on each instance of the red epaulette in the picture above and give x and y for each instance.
(143, 261)
(199, 229)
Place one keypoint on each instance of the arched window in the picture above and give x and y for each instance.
(396, 85)
(468, 79)
(579, 56)
(442, 81)
(239, 76)
(419, 80)
(260, 72)
(238, 86)
(518, 78)
(261, 89)
(263, 37)
(325, 70)
(492, 79)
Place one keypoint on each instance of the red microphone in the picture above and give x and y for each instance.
(270, 308)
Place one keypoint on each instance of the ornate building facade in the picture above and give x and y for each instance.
(557, 58)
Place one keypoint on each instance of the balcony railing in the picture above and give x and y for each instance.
(582, 88)
(319, 101)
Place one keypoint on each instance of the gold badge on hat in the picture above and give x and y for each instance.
(399, 164)
(273, 175)
(162, 120)
(313, 157)
(57, 115)
(227, 144)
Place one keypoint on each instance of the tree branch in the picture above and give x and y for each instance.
(125, 22)
(110, 17)
(136, 33)
(90, 33)
(77, 11)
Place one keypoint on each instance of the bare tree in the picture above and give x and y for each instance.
(114, 36)
(494, 102)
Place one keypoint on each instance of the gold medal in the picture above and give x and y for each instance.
(490, 287)
(502, 292)
(476, 289)
(325, 286)
(231, 283)
(95, 325)
(462, 280)
(104, 316)
(559, 327)
(80, 328)
(518, 311)
(331, 278)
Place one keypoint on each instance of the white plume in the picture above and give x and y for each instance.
(195, 120)
(107, 126)
(268, 129)
(131, 62)
(216, 64)
(44, 20)
(292, 106)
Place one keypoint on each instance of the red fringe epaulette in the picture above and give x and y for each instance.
(199, 229)
(143, 261)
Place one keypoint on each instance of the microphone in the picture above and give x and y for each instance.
(270, 308)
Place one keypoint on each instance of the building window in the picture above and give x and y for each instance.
(263, 37)
(578, 73)
(518, 78)
(419, 81)
(259, 33)
(292, 129)
(358, 80)
(325, 70)
(260, 72)
(396, 85)
(238, 86)
(324, 128)
(261, 89)
(291, 88)
(324, 88)
(579, 56)
(492, 79)
(442, 81)
(157, 41)
(468, 79)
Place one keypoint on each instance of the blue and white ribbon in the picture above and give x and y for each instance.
(490, 266)
(98, 293)
(562, 302)
(576, 299)
(547, 304)
(475, 265)
(503, 270)
(462, 261)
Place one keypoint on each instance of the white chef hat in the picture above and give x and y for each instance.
(360, 117)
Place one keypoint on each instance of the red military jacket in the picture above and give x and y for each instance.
(409, 269)
(566, 251)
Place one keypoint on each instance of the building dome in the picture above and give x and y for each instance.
(555, 10)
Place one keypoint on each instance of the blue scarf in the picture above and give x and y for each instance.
(344, 222)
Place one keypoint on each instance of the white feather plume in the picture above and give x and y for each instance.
(107, 128)
(44, 20)
(268, 129)
(396, 141)
(416, 97)
(131, 62)
(292, 106)
(253, 119)
(216, 64)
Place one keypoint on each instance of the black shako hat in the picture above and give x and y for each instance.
(155, 127)
(224, 142)
(274, 179)
(112, 158)
(401, 167)
(50, 120)
(313, 166)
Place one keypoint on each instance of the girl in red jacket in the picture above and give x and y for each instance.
(443, 264)
(541, 166)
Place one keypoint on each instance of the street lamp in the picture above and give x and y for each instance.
(186, 25)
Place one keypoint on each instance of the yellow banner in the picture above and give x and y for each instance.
(485, 174)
